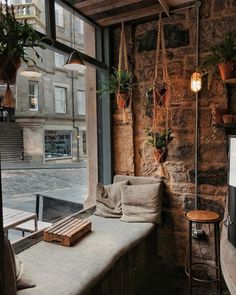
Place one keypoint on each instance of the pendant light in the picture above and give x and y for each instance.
(74, 62)
(31, 72)
(196, 82)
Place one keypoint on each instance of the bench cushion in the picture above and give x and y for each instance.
(141, 203)
(74, 270)
(109, 200)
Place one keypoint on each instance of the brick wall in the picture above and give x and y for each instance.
(133, 156)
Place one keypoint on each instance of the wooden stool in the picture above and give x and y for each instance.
(208, 217)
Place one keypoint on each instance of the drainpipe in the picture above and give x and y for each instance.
(197, 5)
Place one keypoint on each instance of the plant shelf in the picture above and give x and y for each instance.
(230, 81)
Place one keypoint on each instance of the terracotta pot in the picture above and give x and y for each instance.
(160, 155)
(227, 70)
(227, 119)
(121, 99)
(8, 68)
(160, 92)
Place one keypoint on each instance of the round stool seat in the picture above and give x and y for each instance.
(203, 216)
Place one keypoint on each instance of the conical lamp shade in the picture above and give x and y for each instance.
(8, 100)
(74, 62)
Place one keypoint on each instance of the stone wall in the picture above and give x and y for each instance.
(217, 18)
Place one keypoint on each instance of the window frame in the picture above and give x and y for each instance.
(60, 21)
(35, 84)
(81, 91)
(65, 87)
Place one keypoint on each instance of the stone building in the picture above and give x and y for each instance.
(50, 109)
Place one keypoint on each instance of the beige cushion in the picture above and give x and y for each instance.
(137, 179)
(141, 203)
(74, 270)
(9, 268)
(109, 200)
(23, 277)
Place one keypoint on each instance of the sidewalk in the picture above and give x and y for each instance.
(31, 166)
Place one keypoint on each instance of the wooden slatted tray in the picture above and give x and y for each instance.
(67, 231)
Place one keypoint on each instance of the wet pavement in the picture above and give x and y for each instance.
(20, 184)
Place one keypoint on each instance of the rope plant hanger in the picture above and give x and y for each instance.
(161, 86)
(124, 91)
(160, 95)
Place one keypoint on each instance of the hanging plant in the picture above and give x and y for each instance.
(15, 37)
(161, 86)
(159, 141)
(120, 82)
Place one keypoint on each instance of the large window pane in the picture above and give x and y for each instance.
(57, 144)
(73, 31)
(56, 118)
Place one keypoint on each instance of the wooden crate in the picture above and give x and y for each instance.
(67, 231)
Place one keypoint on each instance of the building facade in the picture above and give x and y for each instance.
(51, 109)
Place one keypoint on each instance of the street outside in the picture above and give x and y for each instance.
(20, 186)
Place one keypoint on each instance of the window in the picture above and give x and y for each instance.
(60, 100)
(59, 15)
(57, 143)
(33, 95)
(79, 26)
(19, 1)
(59, 60)
(81, 102)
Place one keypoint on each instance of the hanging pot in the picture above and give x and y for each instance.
(121, 99)
(8, 99)
(160, 155)
(8, 68)
(227, 70)
(160, 92)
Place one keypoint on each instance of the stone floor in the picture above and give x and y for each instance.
(175, 282)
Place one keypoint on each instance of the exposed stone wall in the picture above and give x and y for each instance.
(217, 18)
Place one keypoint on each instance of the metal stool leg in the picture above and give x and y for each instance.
(217, 251)
(190, 258)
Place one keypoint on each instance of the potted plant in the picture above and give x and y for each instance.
(120, 83)
(159, 141)
(15, 37)
(223, 57)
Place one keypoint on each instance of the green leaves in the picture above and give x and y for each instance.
(121, 81)
(16, 36)
(159, 140)
(222, 52)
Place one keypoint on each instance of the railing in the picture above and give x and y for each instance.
(24, 11)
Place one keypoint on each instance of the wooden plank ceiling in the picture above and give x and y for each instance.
(111, 12)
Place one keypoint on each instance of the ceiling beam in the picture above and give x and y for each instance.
(131, 15)
(107, 5)
(165, 6)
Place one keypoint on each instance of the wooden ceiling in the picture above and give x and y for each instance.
(111, 12)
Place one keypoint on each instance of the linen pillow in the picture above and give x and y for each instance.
(15, 275)
(23, 278)
(109, 200)
(9, 268)
(141, 203)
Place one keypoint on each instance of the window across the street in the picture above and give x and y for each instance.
(33, 95)
(60, 100)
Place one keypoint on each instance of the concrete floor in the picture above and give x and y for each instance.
(167, 281)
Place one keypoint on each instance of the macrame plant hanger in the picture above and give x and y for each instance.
(123, 98)
(161, 93)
